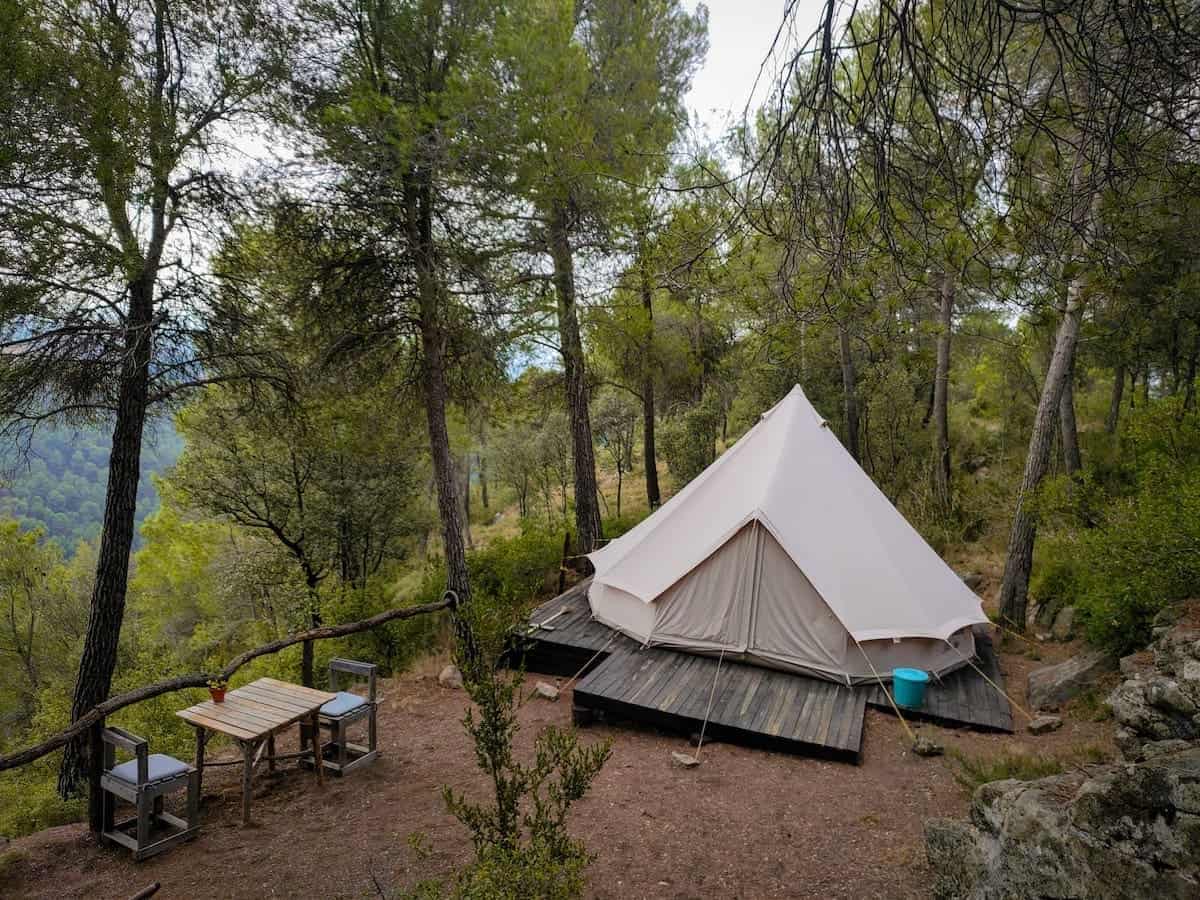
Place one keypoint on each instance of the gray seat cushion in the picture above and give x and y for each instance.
(160, 767)
(343, 703)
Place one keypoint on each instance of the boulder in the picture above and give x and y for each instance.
(1063, 628)
(450, 677)
(1124, 831)
(1051, 686)
(1149, 709)
(545, 691)
(1044, 724)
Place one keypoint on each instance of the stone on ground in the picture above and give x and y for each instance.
(923, 746)
(1063, 628)
(971, 579)
(545, 691)
(1051, 686)
(684, 761)
(450, 677)
(1045, 724)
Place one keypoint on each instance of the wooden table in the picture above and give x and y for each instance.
(252, 715)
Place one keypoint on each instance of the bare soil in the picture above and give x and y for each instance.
(745, 823)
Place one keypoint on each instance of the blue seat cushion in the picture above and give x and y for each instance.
(343, 703)
(160, 767)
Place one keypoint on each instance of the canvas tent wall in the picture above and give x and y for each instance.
(784, 552)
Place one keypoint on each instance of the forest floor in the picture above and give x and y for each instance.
(745, 823)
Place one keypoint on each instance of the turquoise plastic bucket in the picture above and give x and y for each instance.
(908, 686)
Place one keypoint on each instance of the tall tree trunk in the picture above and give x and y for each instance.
(312, 582)
(941, 393)
(1019, 562)
(466, 495)
(1066, 421)
(483, 478)
(1114, 404)
(107, 608)
(430, 299)
(649, 452)
(1189, 388)
(849, 394)
(587, 507)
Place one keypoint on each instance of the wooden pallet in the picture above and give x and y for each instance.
(751, 705)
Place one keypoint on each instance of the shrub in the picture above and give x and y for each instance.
(977, 770)
(687, 440)
(522, 847)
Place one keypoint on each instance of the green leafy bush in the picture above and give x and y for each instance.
(687, 440)
(1144, 552)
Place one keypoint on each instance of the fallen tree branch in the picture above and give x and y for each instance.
(201, 679)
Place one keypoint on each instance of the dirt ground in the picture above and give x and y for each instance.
(746, 823)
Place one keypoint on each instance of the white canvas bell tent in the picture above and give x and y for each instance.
(783, 552)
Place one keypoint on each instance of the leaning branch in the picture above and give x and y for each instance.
(198, 680)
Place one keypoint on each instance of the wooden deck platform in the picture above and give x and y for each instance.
(751, 705)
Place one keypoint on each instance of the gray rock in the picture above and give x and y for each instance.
(1064, 624)
(684, 761)
(1121, 832)
(1051, 686)
(1134, 664)
(923, 746)
(1148, 709)
(450, 677)
(1045, 724)
(1166, 695)
(545, 691)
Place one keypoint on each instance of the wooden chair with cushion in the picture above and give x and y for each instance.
(143, 782)
(340, 754)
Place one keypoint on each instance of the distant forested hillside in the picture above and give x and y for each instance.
(60, 488)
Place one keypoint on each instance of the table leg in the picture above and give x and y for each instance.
(271, 752)
(247, 772)
(318, 755)
(200, 742)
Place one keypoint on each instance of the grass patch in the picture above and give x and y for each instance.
(976, 770)
(1091, 705)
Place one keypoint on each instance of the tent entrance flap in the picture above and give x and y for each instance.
(750, 595)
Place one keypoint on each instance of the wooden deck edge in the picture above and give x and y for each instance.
(726, 734)
(945, 722)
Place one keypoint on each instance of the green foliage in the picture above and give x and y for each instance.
(59, 487)
(522, 846)
(687, 439)
(1144, 552)
(977, 770)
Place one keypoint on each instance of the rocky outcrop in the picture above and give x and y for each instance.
(1063, 628)
(1160, 700)
(1051, 686)
(1129, 831)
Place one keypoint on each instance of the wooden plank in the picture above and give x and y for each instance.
(774, 724)
(253, 713)
(691, 680)
(297, 690)
(281, 695)
(188, 715)
(774, 685)
(671, 665)
(238, 719)
(272, 701)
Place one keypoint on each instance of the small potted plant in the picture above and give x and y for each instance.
(216, 689)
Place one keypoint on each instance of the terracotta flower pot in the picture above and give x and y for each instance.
(218, 694)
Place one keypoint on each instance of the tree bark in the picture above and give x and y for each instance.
(430, 299)
(587, 507)
(1114, 404)
(1189, 388)
(1066, 420)
(107, 609)
(941, 394)
(849, 394)
(649, 452)
(1019, 562)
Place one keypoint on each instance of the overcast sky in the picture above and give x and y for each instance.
(740, 33)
